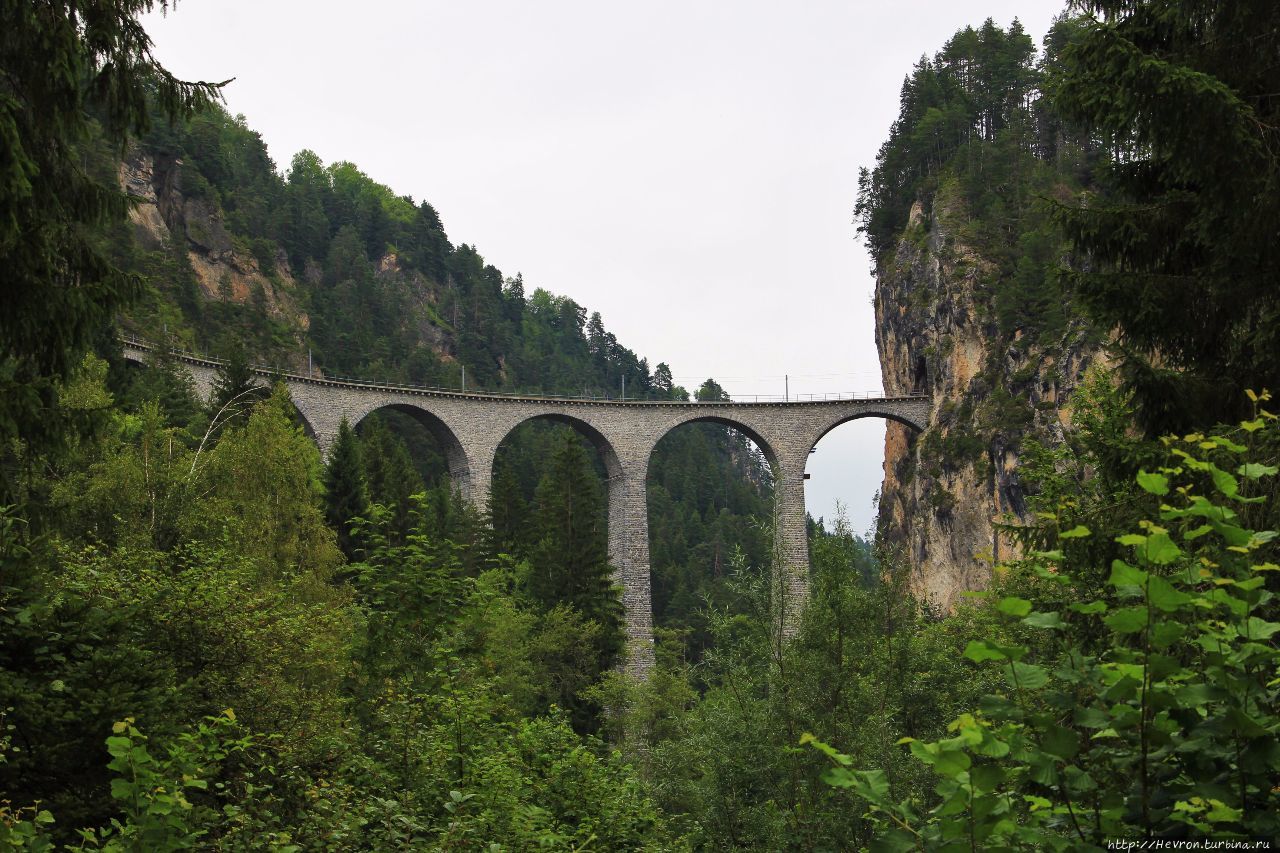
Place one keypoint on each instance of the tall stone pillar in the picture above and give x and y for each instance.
(791, 544)
(477, 482)
(324, 440)
(202, 381)
(629, 555)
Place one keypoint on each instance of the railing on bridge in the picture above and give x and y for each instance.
(270, 370)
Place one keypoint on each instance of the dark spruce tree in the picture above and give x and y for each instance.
(79, 77)
(569, 557)
(1184, 243)
(346, 495)
(508, 510)
(161, 380)
(235, 391)
(390, 472)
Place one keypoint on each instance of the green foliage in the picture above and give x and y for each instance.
(963, 185)
(79, 78)
(346, 495)
(415, 707)
(388, 295)
(266, 480)
(389, 471)
(1184, 261)
(568, 565)
(162, 381)
(153, 792)
(235, 390)
(408, 587)
(1167, 726)
(967, 94)
(507, 510)
(867, 660)
(700, 518)
(25, 828)
(182, 635)
(385, 292)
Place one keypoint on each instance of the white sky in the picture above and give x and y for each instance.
(687, 169)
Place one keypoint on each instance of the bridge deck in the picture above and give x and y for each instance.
(470, 426)
(270, 372)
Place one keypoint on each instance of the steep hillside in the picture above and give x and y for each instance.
(326, 260)
(324, 266)
(969, 305)
(206, 263)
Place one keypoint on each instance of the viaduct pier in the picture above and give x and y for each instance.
(469, 427)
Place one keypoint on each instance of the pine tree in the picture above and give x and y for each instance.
(74, 73)
(569, 559)
(1184, 247)
(346, 494)
(663, 383)
(711, 392)
(507, 510)
(163, 381)
(235, 390)
(389, 472)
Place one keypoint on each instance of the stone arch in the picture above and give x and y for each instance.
(766, 447)
(861, 414)
(608, 453)
(454, 453)
(660, 596)
(627, 531)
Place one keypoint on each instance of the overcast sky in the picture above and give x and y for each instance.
(687, 169)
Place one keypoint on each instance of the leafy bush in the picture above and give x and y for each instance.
(1168, 727)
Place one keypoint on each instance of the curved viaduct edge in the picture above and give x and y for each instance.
(469, 427)
(598, 439)
(441, 432)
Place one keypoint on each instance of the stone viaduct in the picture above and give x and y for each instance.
(469, 427)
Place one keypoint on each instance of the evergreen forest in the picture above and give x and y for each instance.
(214, 638)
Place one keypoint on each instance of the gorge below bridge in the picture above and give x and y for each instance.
(470, 426)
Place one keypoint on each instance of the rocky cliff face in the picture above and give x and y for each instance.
(170, 219)
(944, 488)
(224, 270)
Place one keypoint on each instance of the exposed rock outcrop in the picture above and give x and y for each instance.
(177, 213)
(224, 269)
(945, 488)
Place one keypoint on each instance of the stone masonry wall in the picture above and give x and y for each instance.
(470, 427)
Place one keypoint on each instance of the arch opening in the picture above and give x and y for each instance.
(535, 430)
(433, 449)
(759, 444)
(556, 485)
(710, 499)
(405, 452)
(845, 468)
(538, 451)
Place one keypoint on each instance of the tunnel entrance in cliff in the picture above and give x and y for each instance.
(920, 376)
